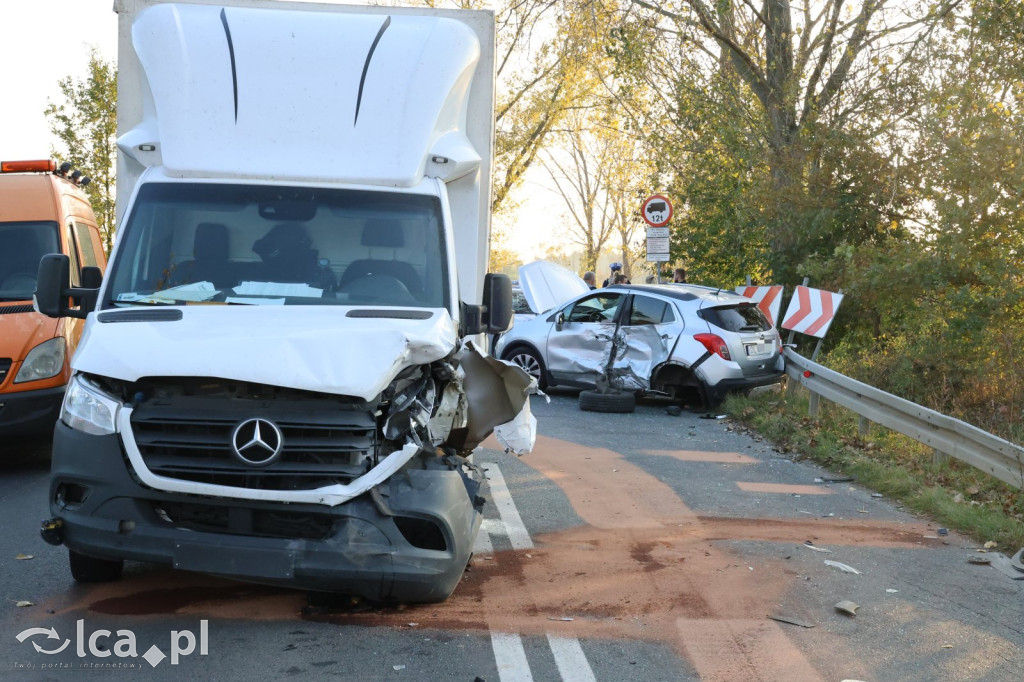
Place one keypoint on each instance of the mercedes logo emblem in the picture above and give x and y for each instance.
(257, 442)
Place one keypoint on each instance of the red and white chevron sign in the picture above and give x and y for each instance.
(768, 299)
(811, 311)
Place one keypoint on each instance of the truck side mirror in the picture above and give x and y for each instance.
(495, 315)
(53, 288)
(53, 281)
(498, 299)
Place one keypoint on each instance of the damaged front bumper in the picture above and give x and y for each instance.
(402, 541)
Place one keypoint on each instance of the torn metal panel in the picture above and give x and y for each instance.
(497, 392)
(640, 349)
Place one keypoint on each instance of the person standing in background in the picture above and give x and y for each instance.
(615, 268)
(590, 278)
(679, 277)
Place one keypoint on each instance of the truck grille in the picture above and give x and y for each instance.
(5, 366)
(189, 438)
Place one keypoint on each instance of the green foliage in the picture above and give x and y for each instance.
(85, 123)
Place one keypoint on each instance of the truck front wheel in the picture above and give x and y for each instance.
(87, 569)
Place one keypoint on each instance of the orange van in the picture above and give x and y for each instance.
(42, 210)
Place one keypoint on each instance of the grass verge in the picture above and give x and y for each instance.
(954, 494)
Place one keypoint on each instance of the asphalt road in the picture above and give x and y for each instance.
(625, 547)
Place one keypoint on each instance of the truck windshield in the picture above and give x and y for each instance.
(271, 245)
(22, 244)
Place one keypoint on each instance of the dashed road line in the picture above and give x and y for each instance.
(570, 659)
(510, 657)
(517, 533)
(509, 654)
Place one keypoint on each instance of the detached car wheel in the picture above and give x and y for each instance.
(87, 569)
(621, 403)
(529, 362)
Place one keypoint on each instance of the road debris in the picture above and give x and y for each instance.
(877, 495)
(24, 603)
(991, 544)
(943, 531)
(811, 545)
(563, 618)
(1018, 560)
(398, 667)
(845, 568)
(792, 621)
(1002, 563)
(673, 410)
(981, 560)
(835, 479)
(25, 557)
(892, 591)
(848, 607)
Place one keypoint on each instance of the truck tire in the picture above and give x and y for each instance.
(620, 403)
(87, 569)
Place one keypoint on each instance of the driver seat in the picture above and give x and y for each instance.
(382, 234)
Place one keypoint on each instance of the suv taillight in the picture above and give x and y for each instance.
(715, 344)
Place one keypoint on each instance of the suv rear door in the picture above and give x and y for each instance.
(752, 339)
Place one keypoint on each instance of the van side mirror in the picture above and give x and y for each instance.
(498, 299)
(495, 315)
(53, 288)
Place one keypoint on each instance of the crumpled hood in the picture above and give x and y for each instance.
(313, 348)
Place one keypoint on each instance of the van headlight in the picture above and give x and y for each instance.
(87, 409)
(42, 362)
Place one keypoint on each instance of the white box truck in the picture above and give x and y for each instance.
(277, 379)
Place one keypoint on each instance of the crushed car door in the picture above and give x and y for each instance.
(578, 346)
(646, 338)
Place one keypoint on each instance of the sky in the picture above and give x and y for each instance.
(47, 40)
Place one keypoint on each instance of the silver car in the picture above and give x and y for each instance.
(690, 342)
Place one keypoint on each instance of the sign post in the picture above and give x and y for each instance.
(657, 212)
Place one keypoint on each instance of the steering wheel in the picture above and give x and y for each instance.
(383, 289)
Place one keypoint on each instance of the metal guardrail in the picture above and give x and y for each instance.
(980, 449)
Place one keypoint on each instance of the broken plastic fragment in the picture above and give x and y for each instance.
(25, 557)
(565, 618)
(810, 545)
(792, 621)
(845, 568)
(848, 607)
(991, 544)
(892, 591)
(398, 667)
(24, 603)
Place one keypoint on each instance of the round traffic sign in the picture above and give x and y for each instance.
(656, 210)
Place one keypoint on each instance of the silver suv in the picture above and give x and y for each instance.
(690, 342)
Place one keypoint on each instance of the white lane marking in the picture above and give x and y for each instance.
(517, 533)
(570, 659)
(508, 647)
(510, 657)
(482, 545)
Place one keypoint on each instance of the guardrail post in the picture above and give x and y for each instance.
(813, 404)
(863, 427)
(939, 458)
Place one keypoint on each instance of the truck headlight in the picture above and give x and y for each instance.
(89, 410)
(42, 362)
